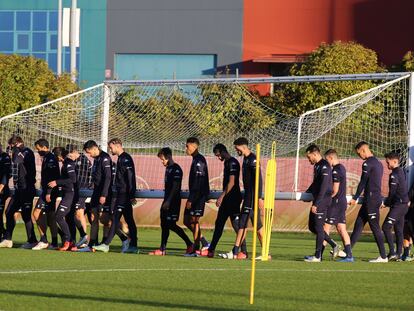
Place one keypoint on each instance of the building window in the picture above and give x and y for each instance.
(23, 20)
(6, 21)
(39, 21)
(53, 21)
(52, 60)
(22, 41)
(6, 42)
(40, 55)
(53, 42)
(39, 42)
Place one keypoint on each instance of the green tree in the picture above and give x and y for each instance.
(26, 81)
(336, 58)
(408, 61)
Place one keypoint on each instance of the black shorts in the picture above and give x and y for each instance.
(22, 199)
(336, 212)
(197, 207)
(231, 205)
(172, 213)
(80, 203)
(43, 205)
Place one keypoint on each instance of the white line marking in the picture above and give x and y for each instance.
(196, 269)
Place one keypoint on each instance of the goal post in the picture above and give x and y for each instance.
(148, 115)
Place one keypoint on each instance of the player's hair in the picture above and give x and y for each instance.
(392, 156)
(331, 152)
(115, 141)
(219, 148)
(360, 144)
(60, 152)
(313, 148)
(193, 140)
(71, 148)
(42, 143)
(241, 141)
(166, 152)
(90, 144)
(15, 139)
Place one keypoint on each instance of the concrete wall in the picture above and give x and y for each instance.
(175, 27)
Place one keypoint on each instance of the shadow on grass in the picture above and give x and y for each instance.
(155, 304)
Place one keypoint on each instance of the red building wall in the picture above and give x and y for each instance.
(295, 27)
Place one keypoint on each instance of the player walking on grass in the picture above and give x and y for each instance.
(125, 185)
(101, 196)
(229, 201)
(397, 201)
(370, 184)
(68, 184)
(170, 207)
(24, 179)
(199, 187)
(336, 215)
(44, 212)
(321, 189)
(5, 175)
(83, 173)
(249, 179)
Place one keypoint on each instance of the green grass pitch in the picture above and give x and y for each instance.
(51, 280)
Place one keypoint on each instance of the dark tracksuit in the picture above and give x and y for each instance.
(50, 171)
(370, 183)
(102, 180)
(24, 179)
(125, 185)
(5, 175)
(321, 189)
(172, 196)
(397, 200)
(230, 206)
(249, 182)
(69, 189)
(199, 186)
(337, 209)
(83, 172)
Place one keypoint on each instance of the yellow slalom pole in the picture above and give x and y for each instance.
(255, 213)
(269, 203)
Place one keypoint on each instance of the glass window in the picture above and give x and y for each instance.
(6, 41)
(24, 54)
(6, 20)
(40, 55)
(52, 60)
(39, 42)
(53, 42)
(22, 41)
(53, 21)
(39, 21)
(23, 20)
(67, 62)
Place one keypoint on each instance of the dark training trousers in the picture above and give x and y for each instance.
(395, 219)
(170, 223)
(22, 201)
(223, 214)
(369, 212)
(62, 211)
(123, 207)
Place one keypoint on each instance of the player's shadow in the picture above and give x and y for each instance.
(100, 299)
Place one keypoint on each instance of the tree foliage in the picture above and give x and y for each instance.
(26, 81)
(327, 59)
